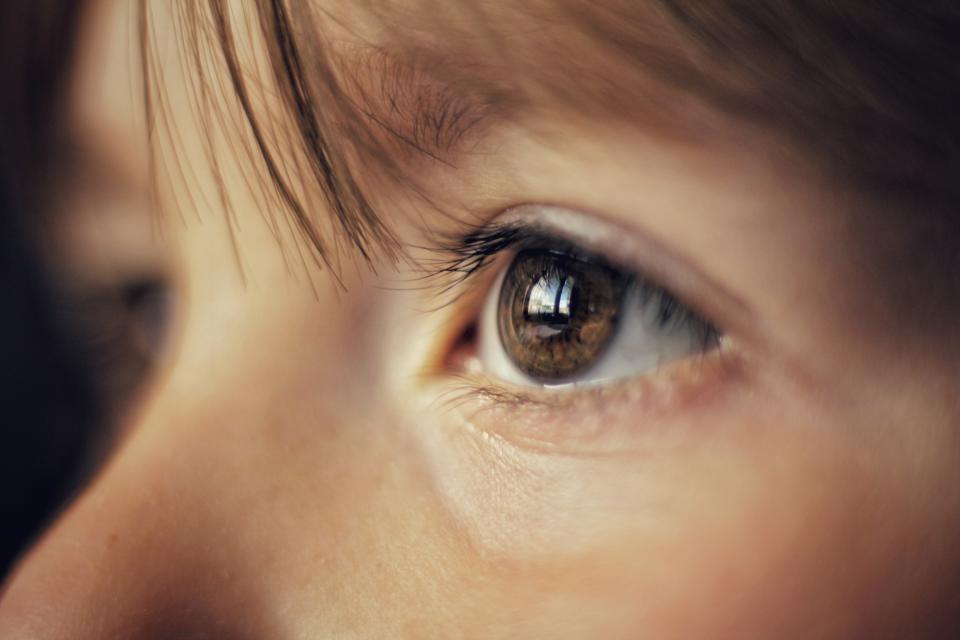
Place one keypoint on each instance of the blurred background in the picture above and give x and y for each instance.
(81, 256)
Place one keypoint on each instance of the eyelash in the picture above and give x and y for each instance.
(463, 256)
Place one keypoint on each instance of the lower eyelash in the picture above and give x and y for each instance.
(591, 419)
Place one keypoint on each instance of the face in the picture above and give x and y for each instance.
(628, 380)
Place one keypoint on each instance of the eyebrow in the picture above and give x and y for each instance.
(418, 107)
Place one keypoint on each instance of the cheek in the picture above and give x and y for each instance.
(755, 520)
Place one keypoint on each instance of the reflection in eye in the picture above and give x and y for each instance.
(558, 316)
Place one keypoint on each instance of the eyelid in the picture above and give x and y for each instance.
(593, 420)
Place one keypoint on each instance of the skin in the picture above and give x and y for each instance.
(294, 471)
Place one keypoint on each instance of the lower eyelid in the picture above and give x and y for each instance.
(597, 419)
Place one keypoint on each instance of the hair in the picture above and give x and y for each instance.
(870, 91)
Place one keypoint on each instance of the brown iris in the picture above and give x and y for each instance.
(557, 313)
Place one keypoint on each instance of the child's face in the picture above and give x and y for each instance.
(768, 451)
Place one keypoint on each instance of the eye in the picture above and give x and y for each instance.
(559, 316)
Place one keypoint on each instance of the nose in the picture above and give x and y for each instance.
(182, 532)
(230, 498)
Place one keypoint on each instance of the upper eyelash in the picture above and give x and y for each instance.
(460, 257)
(467, 254)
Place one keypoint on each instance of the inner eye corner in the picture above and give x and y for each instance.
(462, 349)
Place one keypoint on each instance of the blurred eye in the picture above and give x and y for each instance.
(119, 332)
(557, 316)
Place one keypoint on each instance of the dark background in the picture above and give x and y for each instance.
(47, 411)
